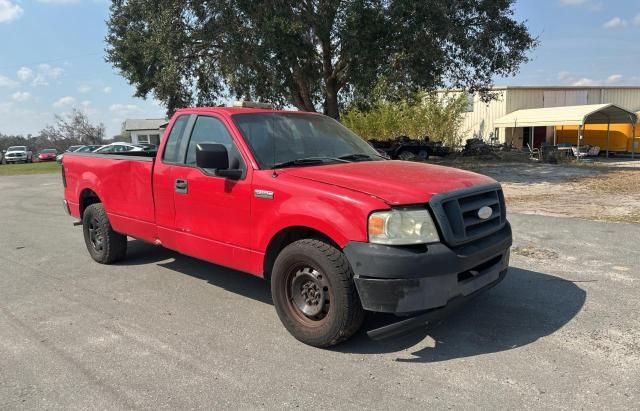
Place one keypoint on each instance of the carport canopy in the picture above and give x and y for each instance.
(570, 116)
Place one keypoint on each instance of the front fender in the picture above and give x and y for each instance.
(336, 212)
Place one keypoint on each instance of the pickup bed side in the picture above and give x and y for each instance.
(122, 183)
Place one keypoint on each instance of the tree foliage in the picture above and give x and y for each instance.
(312, 54)
(438, 116)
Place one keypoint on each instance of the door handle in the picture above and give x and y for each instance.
(181, 186)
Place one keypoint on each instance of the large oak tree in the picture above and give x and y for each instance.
(312, 54)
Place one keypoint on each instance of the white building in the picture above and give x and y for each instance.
(480, 117)
(145, 131)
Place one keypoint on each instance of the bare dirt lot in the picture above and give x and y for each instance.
(601, 191)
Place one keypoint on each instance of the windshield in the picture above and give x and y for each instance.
(279, 139)
(48, 151)
(17, 148)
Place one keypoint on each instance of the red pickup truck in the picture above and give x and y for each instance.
(298, 199)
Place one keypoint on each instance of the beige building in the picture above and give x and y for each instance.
(480, 117)
(145, 131)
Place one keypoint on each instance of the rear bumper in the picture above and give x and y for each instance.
(407, 280)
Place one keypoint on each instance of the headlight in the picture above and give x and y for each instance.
(402, 226)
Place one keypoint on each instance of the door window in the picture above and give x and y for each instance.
(172, 147)
(213, 131)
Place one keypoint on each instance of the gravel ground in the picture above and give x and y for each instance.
(162, 330)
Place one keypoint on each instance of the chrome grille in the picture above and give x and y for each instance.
(457, 213)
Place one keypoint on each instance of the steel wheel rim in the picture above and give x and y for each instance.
(308, 295)
(95, 235)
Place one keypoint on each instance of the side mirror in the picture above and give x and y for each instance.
(216, 157)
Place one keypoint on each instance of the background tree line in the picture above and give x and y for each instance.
(73, 129)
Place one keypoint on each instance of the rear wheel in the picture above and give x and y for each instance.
(104, 245)
(314, 293)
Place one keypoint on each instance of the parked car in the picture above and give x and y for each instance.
(88, 149)
(298, 199)
(70, 149)
(119, 148)
(405, 148)
(17, 154)
(48, 154)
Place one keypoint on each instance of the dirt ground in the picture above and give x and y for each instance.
(608, 191)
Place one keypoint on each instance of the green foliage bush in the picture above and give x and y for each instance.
(436, 115)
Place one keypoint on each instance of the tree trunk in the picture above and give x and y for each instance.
(331, 103)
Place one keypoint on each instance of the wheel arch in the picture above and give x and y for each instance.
(286, 236)
(87, 197)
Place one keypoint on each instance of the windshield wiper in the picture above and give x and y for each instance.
(309, 161)
(359, 156)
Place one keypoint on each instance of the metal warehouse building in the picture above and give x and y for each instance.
(485, 120)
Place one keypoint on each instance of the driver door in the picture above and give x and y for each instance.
(212, 214)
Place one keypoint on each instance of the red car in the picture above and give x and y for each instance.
(48, 154)
(298, 199)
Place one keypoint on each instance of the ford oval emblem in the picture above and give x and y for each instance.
(485, 212)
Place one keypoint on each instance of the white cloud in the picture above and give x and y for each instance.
(65, 102)
(46, 73)
(573, 2)
(24, 73)
(615, 23)
(7, 82)
(9, 11)
(614, 78)
(107, 90)
(85, 88)
(123, 109)
(584, 82)
(21, 96)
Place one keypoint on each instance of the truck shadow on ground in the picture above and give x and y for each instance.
(525, 307)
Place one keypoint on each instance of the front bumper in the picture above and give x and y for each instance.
(407, 280)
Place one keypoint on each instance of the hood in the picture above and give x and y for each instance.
(395, 182)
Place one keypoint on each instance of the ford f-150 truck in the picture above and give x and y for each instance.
(298, 199)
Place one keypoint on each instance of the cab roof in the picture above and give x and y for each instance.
(237, 110)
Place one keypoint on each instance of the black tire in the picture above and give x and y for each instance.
(104, 245)
(423, 155)
(323, 272)
(406, 155)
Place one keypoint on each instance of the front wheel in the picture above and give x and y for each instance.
(314, 293)
(104, 245)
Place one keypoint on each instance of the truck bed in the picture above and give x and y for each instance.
(122, 182)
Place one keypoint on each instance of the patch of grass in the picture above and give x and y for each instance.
(29, 168)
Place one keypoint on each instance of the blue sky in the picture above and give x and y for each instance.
(52, 57)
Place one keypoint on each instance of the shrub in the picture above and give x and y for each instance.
(436, 114)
